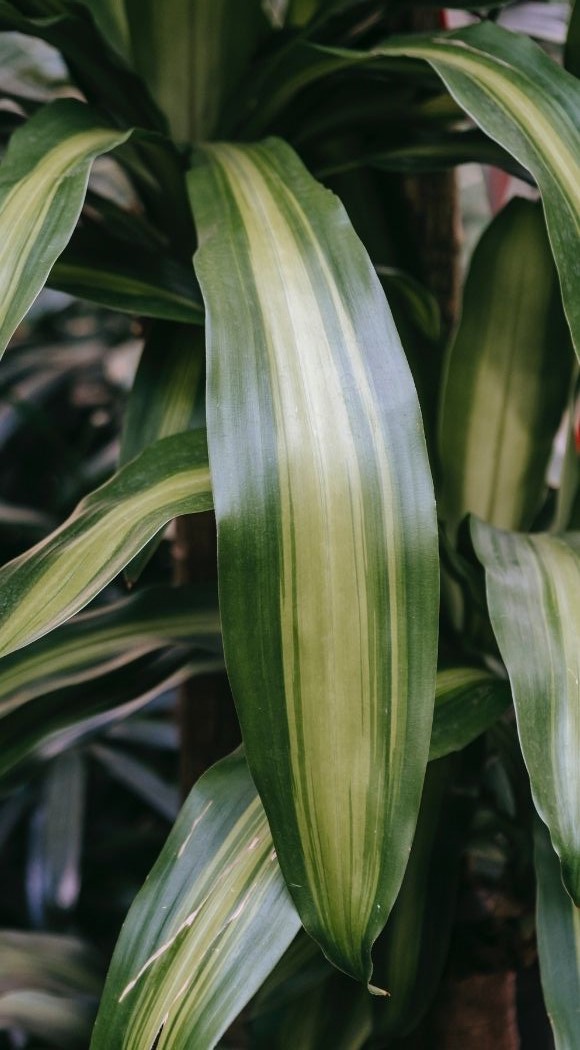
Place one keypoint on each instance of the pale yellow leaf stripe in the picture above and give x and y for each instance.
(507, 94)
(322, 511)
(22, 216)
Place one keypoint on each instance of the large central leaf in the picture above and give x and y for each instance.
(327, 536)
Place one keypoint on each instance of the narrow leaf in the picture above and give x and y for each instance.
(526, 102)
(533, 593)
(98, 641)
(46, 585)
(327, 538)
(209, 924)
(124, 277)
(43, 180)
(558, 929)
(507, 376)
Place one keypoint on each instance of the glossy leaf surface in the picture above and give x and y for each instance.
(533, 593)
(43, 180)
(506, 376)
(46, 585)
(326, 535)
(209, 924)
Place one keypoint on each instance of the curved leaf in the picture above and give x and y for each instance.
(46, 585)
(43, 180)
(558, 928)
(527, 103)
(211, 921)
(533, 593)
(507, 376)
(98, 641)
(327, 536)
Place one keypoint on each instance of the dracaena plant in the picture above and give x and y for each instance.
(349, 473)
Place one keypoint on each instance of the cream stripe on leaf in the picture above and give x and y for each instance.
(533, 594)
(326, 535)
(43, 179)
(507, 376)
(210, 923)
(521, 98)
(558, 930)
(109, 637)
(49, 583)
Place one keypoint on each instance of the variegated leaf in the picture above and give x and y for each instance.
(43, 179)
(521, 98)
(533, 593)
(108, 637)
(211, 921)
(468, 700)
(46, 585)
(327, 540)
(507, 376)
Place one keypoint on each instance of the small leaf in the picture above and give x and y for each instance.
(468, 701)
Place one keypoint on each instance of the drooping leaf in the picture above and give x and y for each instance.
(58, 721)
(533, 593)
(558, 929)
(49, 583)
(468, 700)
(98, 641)
(133, 279)
(209, 924)
(142, 781)
(327, 546)
(526, 102)
(506, 376)
(43, 179)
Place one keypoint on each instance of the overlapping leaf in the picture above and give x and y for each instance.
(527, 103)
(327, 544)
(46, 585)
(209, 924)
(98, 641)
(533, 591)
(468, 700)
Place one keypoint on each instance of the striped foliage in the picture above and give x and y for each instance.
(326, 535)
(108, 637)
(215, 896)
(533, 593)
(43, 180)
(506, 376)
(46, 585)
(558, 929)
(521, 98)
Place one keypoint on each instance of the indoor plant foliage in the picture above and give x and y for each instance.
(354, 457)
